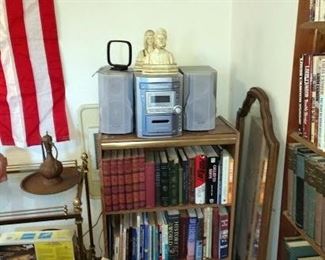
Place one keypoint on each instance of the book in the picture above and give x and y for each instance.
(173, 233)
(163, 230)
(184, 163)
(128, 178)
(226, 162)
(192, 233)
(223, 232)
(213, 159)
(106, 179)
(173, 176)
(199, 236)
(190, 154)
(135, 178)
(121, 180)
(157, 178)
(207, 243)
(114, 182)
(142, 178)
(299, 248)
(200, 166)
(183, 233)
(150, 179)
(310, 258)
(164, 180)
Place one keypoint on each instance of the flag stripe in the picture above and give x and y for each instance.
(24, 70)
(5, 121)
(47, 14)
(39, 64)
(13, 91)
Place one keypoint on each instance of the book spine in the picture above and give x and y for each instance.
(191, 237)
(301, 94)
(150, 184)
(186, 182)
(164, 184)
(114, 185)
(199, 240)
(128, 182)
(142, 179)
(211, 186)
(173, 184)
(307, 97)
(200, 178)
(121, 184)
(157, 179)
(225, 177)
(183, 234)
(223, 235)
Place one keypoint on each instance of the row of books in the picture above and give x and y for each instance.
(311, 101)
(138, 178)
(185, 234)
(306, 191)
(316, 10)
(298, 248)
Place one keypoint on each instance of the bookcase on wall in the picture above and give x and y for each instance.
(224, 135)
(302, 122)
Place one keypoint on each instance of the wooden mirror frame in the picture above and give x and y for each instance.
(272, 143)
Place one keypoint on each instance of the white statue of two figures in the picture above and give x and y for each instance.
(154, 58)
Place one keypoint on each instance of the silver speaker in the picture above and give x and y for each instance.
(115, 93)
(199, 97)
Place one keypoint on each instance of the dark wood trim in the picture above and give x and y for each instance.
(254, 94)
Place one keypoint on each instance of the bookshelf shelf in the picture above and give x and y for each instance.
(299, 139)
(155, 209)
(224, 134)
(303, 234)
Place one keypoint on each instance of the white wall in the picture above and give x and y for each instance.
(198, 33)
(262, 54)
(259, 35)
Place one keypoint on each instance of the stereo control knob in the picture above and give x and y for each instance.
(177, 109)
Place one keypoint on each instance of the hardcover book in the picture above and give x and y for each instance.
(173, 176)
(213, 159)
(150, 179)
(200, 166)
(300, 248)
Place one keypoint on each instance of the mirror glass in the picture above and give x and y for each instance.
(256, 177)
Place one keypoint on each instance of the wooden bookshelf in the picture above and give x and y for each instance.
(310, 38)
(303, 234)
(223, 134)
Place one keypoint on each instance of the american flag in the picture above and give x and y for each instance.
(32, 92)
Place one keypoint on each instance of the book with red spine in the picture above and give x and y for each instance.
(200, 168)
(128, 179)
(135, 178)
(190, 154)
(106, 179)
(121, 179)
(183, 233)
(142, 178)
(114, 182)
(150, 179)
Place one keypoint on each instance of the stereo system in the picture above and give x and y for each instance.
(161, 105)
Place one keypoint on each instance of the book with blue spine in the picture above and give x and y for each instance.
(199, 235)
(192, 230)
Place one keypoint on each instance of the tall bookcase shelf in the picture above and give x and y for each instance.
(296, 137)
(310, 39)
(303, 234)
(224, 134)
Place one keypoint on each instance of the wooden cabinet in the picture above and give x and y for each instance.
(309, 40)
(224, 134)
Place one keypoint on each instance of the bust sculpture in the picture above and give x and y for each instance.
(149, 44)
(158, 60)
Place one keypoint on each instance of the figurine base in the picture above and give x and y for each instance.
(35, 183)
(159, 69)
